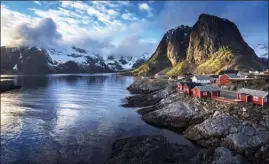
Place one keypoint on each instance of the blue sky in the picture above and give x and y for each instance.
(121, 27)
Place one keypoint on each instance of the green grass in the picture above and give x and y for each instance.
(177, 69)
(216, 62)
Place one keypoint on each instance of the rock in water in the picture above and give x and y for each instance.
(150, 150)
(176, 114)
(147, 86)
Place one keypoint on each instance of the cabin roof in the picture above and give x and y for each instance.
(228, 71)
(252, 92)
(192, 84)
(203, 77)
(208, 88)
(232, 75)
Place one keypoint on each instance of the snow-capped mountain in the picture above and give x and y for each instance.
(125, 62)
(35, 60)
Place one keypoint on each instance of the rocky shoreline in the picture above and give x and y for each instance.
(228, 133)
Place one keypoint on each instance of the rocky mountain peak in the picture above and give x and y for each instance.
(211, 45)
(209, 34)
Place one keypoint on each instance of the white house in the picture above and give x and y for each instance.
(242, 74)
(202, 79)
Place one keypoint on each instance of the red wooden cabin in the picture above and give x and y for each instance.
(187, 88)
(207, 91)
(224, 79)
(254, 96)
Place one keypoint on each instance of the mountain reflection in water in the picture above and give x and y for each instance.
(69, 119)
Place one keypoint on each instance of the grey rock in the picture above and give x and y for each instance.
(248, 139)
(145, 86)
(177, 114)
(150, 150)
(212, 129)
(223, 155)
(245, 114)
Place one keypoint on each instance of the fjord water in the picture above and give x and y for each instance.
(69, 119)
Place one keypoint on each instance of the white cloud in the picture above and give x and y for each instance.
(129, 16)
(147, 8)
(94, 26)
(144, 6)
(134, 45)
(43, 34)
(37, 2)
(10, 19)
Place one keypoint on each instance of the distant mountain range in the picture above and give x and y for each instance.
(212, 45)
(35, 60)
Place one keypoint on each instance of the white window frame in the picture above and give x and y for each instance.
(255, 98)
(265, 99)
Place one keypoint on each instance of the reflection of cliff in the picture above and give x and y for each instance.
(32, 82)
(96, 80)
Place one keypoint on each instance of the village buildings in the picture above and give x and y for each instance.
(224, 79)
(254, 96)
(202, 79)
(207, 91)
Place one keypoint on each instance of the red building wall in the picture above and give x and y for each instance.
(244, 97)
(180, 87)
(256, 100)
(195, 92)
(224, 80)
(215, 94)
(252, 99)
(187, 90)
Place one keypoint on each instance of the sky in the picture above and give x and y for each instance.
(120, 27)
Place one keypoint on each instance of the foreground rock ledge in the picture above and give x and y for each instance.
(157, 150)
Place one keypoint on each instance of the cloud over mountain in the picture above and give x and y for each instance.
(43, 34)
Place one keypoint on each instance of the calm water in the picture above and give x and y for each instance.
(68, 119)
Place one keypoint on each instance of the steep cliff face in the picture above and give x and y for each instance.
(171, 50)
(213, 44)
(216, 44)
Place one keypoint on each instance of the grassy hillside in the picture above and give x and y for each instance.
(217, 62)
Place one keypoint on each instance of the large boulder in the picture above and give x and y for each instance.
(150, 150)
(176, 114)
(145, 86)
(247, 141)
(210, 132)
(151, 98)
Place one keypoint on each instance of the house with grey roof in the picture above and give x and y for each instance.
(254, 96)
(206, 91)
